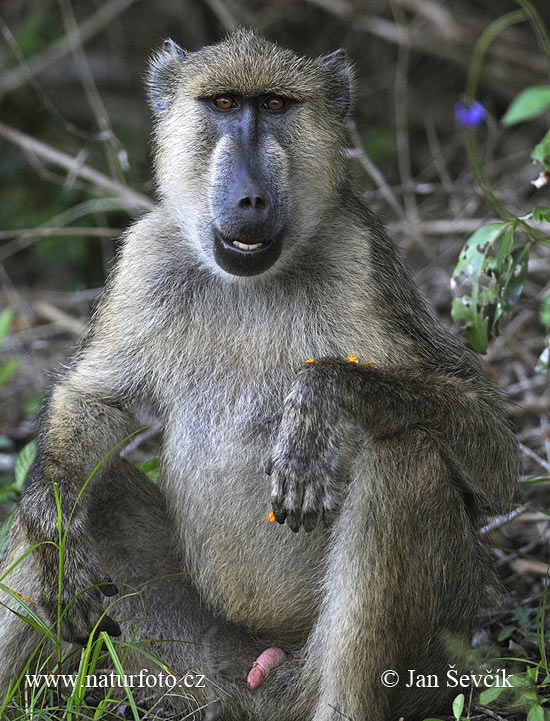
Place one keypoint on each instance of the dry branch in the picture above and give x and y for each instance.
(13, 79)
(49, 312)
(128, 197)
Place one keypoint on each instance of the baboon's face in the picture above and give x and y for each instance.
(248, 188)
(249, 147)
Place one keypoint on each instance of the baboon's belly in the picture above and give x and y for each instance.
(255, 572)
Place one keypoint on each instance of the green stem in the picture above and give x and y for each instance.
(498, 26)
(489, 35)
(538, 22)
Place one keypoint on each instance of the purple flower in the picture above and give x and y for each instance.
(469, 115)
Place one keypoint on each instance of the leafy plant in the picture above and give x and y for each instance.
(151, 468)
(8, 368)
(488, 279)
(530, 682)
(45, 700)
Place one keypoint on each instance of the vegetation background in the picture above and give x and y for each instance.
(75, 168)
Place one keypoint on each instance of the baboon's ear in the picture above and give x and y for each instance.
(162, 74)
(342, 83)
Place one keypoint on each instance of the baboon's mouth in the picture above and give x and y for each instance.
(246, 246)
(244, 255)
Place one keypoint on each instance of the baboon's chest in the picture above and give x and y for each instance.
(219, 433)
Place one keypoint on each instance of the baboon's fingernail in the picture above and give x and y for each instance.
(110, 626)
(107, 587)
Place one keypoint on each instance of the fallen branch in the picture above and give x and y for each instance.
(46, 152)
(13, 79)
(49, 312)
(25, 237)
(71, 230)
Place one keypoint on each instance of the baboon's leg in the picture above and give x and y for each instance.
(140, 541)
(133, 536)
(405, 563)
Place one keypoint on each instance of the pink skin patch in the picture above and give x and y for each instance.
(263, 665)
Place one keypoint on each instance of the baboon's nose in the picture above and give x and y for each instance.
(252, 201)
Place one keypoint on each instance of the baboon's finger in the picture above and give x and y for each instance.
(107, 587)
(110, 626)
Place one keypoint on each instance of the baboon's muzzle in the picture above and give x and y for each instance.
(249, 209)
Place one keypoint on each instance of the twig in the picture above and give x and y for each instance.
(437, 15)
(13, 79)
(15, 299)
(29, 144)
(490, 713)
(72, 230)
(401, 119)
(530, 565)
(456, 226)
(372, 170)
(114, 149)
(535, 457)
(223, 13)
(432, 44)
(24, 238)
(341, 8)
(134, 443)
(55, 315)
(545, 428)
(438, 159)
(502, 520)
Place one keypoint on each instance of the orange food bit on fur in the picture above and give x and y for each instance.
(310, 360)
(367, 363)
(271, 517)
(353, 359)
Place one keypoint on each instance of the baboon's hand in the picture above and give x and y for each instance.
(304, 466)
(81, 606)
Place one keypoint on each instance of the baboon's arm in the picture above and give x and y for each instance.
(86, 416)
(329, 396)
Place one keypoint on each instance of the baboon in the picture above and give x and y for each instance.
(258, 257)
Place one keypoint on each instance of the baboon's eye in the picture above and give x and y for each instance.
(274, 102)
(225, 102)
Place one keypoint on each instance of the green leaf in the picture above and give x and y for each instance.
(535, 479)
(7, 370)
(543, 362)
(23, 464)
(118, 666)
(512, 277)
(6, 318)
(32, 405)
(536, 713)
(505, 633)
(541, 213)
(474, 282)
(541, 151)
(458, 706)
(521, 615)
(545, 311)
(491, 694)
(528, 104)
(151, 468)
